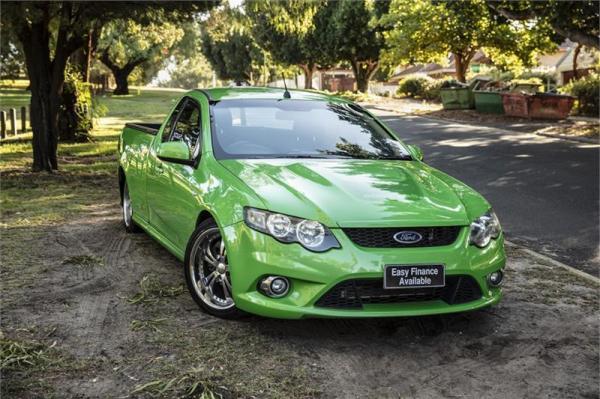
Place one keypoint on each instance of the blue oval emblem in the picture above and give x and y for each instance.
(408, 237)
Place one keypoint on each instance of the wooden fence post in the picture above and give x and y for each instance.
(2, 124)
(23, 119)
(12, 114)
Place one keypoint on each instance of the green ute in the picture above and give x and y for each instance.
(307, 206)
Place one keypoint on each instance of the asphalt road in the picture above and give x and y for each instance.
(545, 191)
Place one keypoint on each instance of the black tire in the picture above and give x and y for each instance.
(202, 236)
(127, 213)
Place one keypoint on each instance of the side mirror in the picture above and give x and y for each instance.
(174, 151)
(416, 152)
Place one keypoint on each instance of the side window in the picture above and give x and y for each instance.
(169, 126)
(187, 127)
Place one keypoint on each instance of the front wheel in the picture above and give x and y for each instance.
(207, 272)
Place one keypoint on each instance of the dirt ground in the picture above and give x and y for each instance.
(107, 316)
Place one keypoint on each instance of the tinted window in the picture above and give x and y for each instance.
(187, 128)
(169, 126)
(298, 128)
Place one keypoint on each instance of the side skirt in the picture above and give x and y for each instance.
(164, 241)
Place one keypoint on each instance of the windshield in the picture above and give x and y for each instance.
(299, 129)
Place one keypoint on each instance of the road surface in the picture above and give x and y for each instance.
(545, 191)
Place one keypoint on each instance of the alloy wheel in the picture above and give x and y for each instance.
(210, 271)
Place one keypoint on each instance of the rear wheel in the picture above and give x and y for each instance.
(128, 222)
(207, 272)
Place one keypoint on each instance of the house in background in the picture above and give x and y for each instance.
(560, 63)
(433, 70)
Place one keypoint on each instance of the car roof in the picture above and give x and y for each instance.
(238, 93)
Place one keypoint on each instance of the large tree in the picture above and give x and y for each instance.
(229, 46)
(126, 44)
(290, 32)
(49, 33)
(422, 31)
(354, 36)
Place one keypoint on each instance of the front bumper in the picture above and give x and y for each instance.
(253, 255)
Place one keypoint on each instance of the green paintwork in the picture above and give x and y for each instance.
(168, 198)
(457, 98)
(175, 150)
(488, 102)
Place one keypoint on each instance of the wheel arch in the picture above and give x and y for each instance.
(204, 215)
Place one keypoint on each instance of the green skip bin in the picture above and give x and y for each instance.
(489, 102)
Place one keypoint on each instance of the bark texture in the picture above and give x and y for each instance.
(47, 77)
(120, 73)
(363, 72)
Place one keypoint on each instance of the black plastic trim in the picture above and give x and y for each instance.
(149, 128)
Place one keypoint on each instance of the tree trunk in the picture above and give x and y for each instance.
(121, 74)
(461, 64)
(575, 56)
(460, 68)
(121, 81)
(46, 78)
(309, 70)
(35, 41)
(363, 72)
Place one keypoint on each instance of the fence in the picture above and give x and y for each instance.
(13, 122)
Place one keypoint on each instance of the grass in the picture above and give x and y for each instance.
(21, 355)
(26, 364)
(41, 199)
(152, 290)
(84, 261)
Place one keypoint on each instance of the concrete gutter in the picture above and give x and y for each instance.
(553, 262)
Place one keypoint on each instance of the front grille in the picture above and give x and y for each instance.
(383, 237)
(353, 294)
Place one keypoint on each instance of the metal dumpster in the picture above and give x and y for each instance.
(539, 105)
(456, 98)
(550, 106)
(489, 102)
(515, 104)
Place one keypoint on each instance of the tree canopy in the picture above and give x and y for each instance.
(575, 20)
(355, 36)
(49, 33)
(290, 31)
(229, 46)
(426, 31)
(126, 44)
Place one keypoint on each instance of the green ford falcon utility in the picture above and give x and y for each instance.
(295, 204)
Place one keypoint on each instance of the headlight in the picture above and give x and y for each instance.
(485, 228)
(310, 234)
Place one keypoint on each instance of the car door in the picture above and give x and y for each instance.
(171, 186)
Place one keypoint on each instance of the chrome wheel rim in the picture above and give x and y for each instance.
(127, 211)
(210, 271)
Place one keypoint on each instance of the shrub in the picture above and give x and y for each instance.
(544, 77)
(432, 89)
(413, 86)
(587, 92)
(353, 96)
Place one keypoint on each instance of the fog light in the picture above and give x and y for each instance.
(495, 278)
(274, 286)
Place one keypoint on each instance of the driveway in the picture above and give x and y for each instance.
(544, 190)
